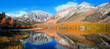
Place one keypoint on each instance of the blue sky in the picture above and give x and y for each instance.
(19, 7)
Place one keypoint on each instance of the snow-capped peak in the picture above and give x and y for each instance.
(86, 5)
(102, 5)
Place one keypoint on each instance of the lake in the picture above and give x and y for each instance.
(56, 39)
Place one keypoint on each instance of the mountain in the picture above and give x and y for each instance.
(6, 22)
(34, 17)
(84, 12)
(101, 14)
(78, 13)
(39, 38)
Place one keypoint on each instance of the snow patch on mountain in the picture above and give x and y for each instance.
(38, 16)
(86, 5)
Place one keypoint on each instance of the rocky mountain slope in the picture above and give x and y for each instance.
(78, 13)
(101, 14)
(34, 17)
(39, 38)
(84, 12)
(7, 22)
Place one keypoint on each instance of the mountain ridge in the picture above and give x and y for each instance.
(83, 12)
(79, 14)
(34, 17)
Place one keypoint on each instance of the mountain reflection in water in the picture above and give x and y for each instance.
(56, 39)
(50, 45)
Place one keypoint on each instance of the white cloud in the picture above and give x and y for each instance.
(20, 13)
(37, 11)
(64, 6)
(16, 13)
(25, 9)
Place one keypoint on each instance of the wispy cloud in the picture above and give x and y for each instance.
(25, 9)
(64, 6)
(16, 13)
(36, 10)
(21, 12)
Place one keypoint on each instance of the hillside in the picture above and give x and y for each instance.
(7, 22)
(101, 14)
(84, 12)
(78, 13)
(33, 17)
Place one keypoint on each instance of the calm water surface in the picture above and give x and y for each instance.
(56, 39)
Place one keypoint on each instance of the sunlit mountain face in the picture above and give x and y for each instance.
(71, 24)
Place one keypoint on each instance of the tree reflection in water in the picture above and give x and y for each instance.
(77, 39)
(58, 38)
